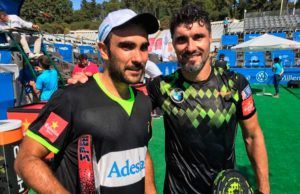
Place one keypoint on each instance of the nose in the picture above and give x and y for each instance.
(139, 57)
(191, 47)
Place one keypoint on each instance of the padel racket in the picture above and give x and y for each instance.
(231, 182)
(88, 174)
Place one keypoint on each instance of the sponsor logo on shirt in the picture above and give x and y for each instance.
(177, 95)
(247, 106)
(53, 127)
(246, 93)
(122, 168)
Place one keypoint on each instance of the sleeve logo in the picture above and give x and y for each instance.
(247, 106)
(53, 127)
(246, 93)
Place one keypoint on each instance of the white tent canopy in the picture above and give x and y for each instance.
(267, 42)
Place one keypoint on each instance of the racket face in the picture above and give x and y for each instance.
(86, 165)
(231, 182)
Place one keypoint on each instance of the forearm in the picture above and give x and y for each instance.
(38, 176)
(258, 156)
(149, 176)
(35, 90)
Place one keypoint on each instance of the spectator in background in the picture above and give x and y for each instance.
(278, 72)
(215, 50)
(14, 21)
(47, 82)
(151, 70)
(221, 63)
(226, 25)
(84, 66)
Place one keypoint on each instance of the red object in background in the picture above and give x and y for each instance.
(26, 113)
(141, 87)
(158, 44)
(151, 44)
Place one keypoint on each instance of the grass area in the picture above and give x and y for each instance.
(279, 120)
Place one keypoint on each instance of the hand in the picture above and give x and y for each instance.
(35, 26)
(79, 77)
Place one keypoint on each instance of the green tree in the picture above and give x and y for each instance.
(36, 11)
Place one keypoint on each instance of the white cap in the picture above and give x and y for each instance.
(123, 16)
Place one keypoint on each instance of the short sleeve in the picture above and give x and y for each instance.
(154, 93)
(53, 124)
(246, 106)
(39, 82)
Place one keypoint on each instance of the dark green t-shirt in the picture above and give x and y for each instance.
(200, 126)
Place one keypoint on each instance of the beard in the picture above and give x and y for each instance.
(119, 75)
(197, 66)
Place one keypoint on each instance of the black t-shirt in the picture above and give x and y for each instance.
(120, 129)
(200, 126)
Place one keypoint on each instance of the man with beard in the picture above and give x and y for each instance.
(115, 115)
(202, 106)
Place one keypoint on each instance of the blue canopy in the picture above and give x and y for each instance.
(11, 6)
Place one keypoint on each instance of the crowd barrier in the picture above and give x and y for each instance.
(253, 75)
(65, 50)
(265, 75)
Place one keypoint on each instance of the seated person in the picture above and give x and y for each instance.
(46, 83)
(84, 66)
(14, 21)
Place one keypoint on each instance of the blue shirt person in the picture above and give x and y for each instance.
(278, 71)
(47, 82)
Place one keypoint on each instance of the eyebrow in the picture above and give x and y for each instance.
(126, 43)
(131, 44)
(146, 44)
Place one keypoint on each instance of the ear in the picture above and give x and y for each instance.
(103, 50)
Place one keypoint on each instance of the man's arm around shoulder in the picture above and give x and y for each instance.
(30, 166)
(257, 153)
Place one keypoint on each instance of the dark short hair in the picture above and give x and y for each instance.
(221, 56)
(276, 59)
(82, 56)
(189, 14)
(44, 61)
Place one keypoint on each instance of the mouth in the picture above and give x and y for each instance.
(135, 71)
(192, 57)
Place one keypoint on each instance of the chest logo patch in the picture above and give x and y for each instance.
(177, 95)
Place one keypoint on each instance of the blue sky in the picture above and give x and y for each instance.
(76, 3)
